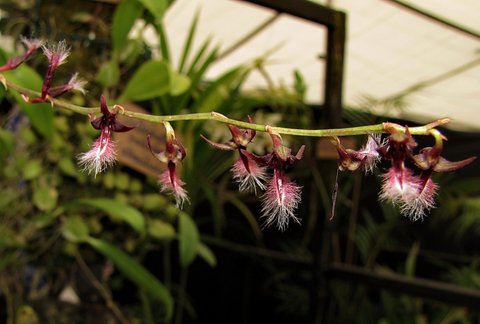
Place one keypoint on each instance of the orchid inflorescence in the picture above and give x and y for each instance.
(411, 188)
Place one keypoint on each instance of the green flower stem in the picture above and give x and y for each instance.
(349, 131)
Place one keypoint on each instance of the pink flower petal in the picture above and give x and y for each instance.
(249, 181)
(280, 201)
(174, 187)
(101, 156)
(400, 186)
(417, 208)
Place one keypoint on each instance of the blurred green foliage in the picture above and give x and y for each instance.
(58, 225)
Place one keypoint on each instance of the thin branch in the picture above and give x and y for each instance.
(348, 131)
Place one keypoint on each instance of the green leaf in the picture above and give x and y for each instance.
(300, 85)
(122, 181)
(153, 201)
(32, 169)
(67, 166)
(109, 74)
(45, 198)
(9, 238)
(116, 210)
(207, 255)
(164, 44)
(189, 239)
(202, 51)
(156, 7)
(196, 75)
(126, 13)
(161, 230)
(179, 83)
(188, 41)
(7, 197)
(410, 262)
(75, 230)
(25, 314)
(218, 90)
(44, 219)
(135, 272)
(150, 80)
(130, 53)
(8, 259)
(40, 115)
(7, 140)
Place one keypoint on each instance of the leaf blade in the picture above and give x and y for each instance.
(116, 210)
(40, 115)
(150, 80)
(189, 239)
(135, 272)
(123, 19)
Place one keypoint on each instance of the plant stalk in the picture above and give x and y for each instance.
(348, 131)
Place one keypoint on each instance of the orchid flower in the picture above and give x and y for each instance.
(282, 195)
(57, 55)
(174, 154)
(248, 174)
(102, 153)
(31, 46)
(415, 194)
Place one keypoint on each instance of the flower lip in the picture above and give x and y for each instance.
(174, 153)
(108, 119)
(280, 200)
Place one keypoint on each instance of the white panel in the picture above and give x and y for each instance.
(389, 50)
(291, 43)
(461, 12)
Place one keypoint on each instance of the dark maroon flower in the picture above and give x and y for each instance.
(283, 195)
(57, 55)
(246, 171)
(31, 46)
(102, 153)
(415, 194)
(366, 157)
(174, 154)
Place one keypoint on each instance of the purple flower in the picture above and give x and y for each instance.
(366, 158)
(102, 153)
(417, 207)
(248, 174)
(368, 153)
(415, 194)
(31, 44)
(282, 196)
(57, 55)
(400, 186)
(280, 201)
(73, 84)
(174, 154)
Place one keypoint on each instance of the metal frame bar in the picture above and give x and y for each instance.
(400, 284)
(335, 21)
(442, 21)
(425, 288)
